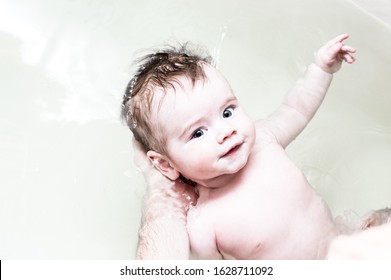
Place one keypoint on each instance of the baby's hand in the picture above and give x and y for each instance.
(330, 56)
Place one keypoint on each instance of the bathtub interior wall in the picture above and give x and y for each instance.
(69, 188)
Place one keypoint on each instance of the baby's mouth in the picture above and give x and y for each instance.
(232, 151)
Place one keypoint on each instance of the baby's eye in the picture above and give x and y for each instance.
(228, 112)
(198, 133)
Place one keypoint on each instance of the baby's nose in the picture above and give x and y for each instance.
(225, 133)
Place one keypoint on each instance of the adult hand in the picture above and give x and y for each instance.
(163, 233)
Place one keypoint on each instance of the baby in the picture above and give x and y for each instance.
(253, 203)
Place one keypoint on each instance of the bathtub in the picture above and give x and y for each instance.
(69, 188)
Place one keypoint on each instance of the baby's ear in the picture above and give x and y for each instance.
(162, 164)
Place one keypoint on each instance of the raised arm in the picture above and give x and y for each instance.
(302, 102)
(163, 233)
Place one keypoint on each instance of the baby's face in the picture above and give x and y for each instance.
(207, 133)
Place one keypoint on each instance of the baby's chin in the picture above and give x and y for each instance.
(237, 167)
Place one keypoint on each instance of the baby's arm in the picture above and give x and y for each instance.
(163, 234)
(302, 102)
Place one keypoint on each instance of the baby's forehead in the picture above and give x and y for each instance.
(212, 81)
(212, 77)
(182, 87)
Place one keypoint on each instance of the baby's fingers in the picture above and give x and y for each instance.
(346, 52)
(348, 58)
(338, 39)
(348, 49)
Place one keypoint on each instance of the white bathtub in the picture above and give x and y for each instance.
(69, 189)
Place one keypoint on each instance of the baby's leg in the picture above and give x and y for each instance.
(373, 243)
(350, 222)
(376, 218)
(366, 237)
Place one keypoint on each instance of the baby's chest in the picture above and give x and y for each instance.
(243, 229)
(249, 221)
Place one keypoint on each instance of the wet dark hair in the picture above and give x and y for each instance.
(159, 70)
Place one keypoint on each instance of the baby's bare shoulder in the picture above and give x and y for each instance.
(264, 132)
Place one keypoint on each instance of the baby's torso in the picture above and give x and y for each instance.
(269, 211)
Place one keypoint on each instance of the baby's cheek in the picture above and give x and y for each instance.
(193, 159)
(248, 128)
(203, 163)
(198, 158)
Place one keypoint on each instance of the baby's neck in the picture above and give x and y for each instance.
(222, 184)
(218, 185)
